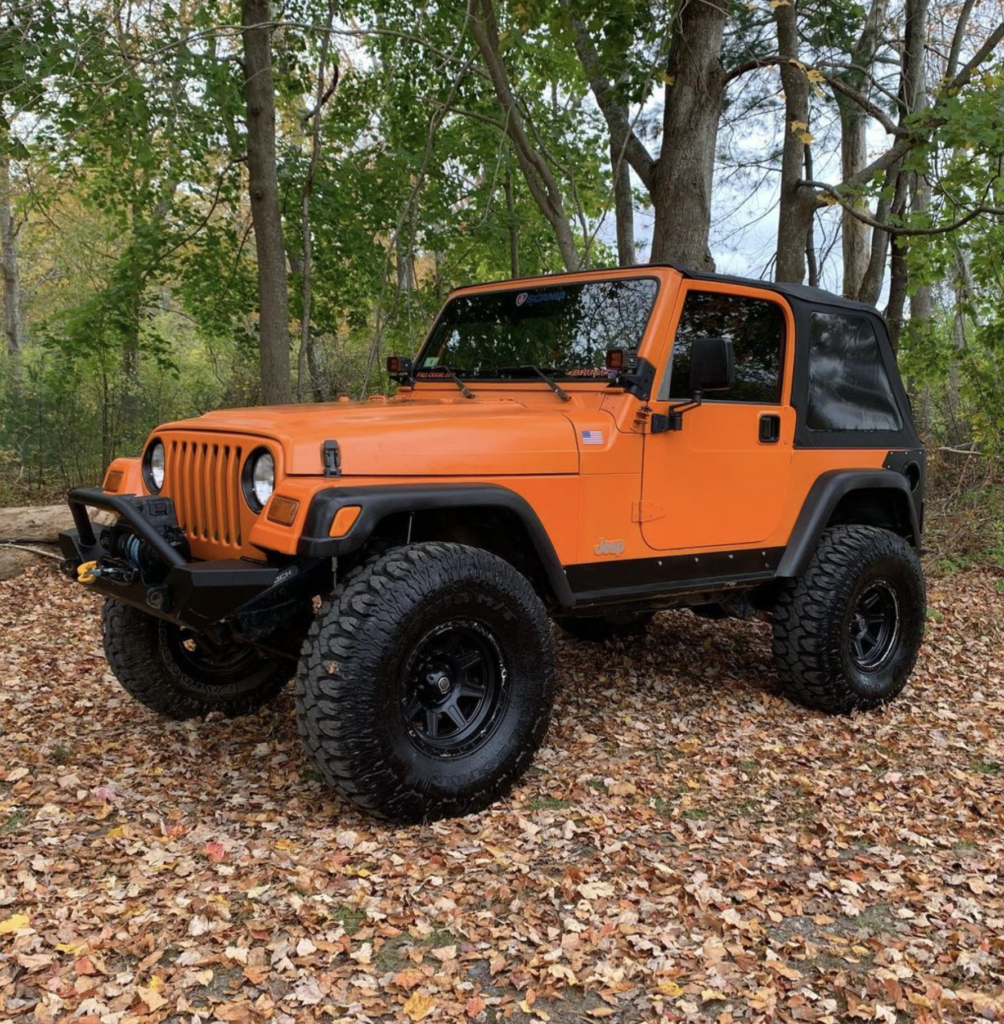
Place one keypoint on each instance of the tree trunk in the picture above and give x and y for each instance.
(309, 360)
(681, 187)
(854, 235)
(921, 301)
(895, 310)
(259, 95)
(890, 205)
(11, 269)
(797, 202)
(510, 209)
(812, 261)
(623, 207)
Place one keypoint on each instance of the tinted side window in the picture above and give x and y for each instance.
(849, 388)
(756, 328)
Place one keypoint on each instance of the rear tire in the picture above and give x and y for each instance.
(426, 683)
(181, 674)
(847, 632)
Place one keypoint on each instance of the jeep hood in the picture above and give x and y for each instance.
(413, 437)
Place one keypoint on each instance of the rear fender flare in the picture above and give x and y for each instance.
(378, 502)
(822, 500)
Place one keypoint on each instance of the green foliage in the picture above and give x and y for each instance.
(125, 124)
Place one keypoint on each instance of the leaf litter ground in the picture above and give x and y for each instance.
(688, 846)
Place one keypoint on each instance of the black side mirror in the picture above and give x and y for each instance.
(712, 365)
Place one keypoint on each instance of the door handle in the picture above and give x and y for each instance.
(770, 428)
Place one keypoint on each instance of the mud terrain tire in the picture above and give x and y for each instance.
(426, 682)
(180, 675)
(847, 632)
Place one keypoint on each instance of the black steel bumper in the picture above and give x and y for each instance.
(196, 594)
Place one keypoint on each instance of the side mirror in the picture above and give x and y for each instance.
(712, 368)
(712, 365)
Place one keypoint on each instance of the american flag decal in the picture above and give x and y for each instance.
(592, 437)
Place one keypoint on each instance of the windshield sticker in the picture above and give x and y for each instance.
(590, 371)
(532, 300)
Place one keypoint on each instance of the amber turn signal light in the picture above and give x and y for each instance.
(113, 482)
(345, 519)
(282, 510)
(616, 359)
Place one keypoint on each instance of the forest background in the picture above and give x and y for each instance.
(207, 204)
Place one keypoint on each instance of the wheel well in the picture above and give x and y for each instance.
(498, 530)
(887, 508)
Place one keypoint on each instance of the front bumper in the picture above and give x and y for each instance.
(199, 595)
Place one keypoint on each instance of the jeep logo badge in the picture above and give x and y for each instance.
(521, 298)
(609, 547)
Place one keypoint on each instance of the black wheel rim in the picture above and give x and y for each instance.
(874, 626)
(454, 688)
(209, 662)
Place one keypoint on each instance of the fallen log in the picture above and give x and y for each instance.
(15, 558)
(40, 524)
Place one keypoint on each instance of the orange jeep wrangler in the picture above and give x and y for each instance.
(589, 448)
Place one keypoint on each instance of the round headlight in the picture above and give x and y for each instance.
(259, 478)
(155, 458)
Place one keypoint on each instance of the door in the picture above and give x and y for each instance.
(721, 481)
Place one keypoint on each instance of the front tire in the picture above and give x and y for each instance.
(847, 632)
(181, 674)
(426, 682)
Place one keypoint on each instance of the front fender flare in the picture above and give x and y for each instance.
(378, 502)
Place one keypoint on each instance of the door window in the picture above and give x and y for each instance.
(756, 329)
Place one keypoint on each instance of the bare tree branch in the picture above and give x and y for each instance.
(539, 178)
(902, 229)
(622, 135)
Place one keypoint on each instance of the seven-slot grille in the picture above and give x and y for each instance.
(204, 481)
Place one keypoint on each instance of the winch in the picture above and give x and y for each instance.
(131, 558)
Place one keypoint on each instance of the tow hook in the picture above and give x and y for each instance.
(114, 572)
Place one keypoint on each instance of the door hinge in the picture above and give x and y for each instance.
(646, 511)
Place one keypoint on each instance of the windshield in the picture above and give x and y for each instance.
(562, 329)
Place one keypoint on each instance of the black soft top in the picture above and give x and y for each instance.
(799, 292)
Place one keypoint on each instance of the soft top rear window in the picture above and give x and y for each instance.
(849, 387)
(562, 329)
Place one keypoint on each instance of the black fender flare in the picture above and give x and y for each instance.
(824, 496)
(379, 501)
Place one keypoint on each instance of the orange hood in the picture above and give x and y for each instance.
(410, 437)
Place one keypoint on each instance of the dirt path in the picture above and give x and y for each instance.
(689, 846)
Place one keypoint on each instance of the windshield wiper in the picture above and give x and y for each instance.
(445, 371)
(552, 384)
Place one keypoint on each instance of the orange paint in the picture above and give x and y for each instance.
(631, 494)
